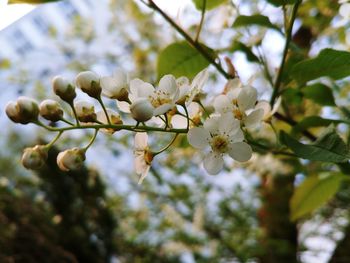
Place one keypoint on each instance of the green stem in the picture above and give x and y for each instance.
(104, 109)
(285, 52)
(187, 117)
(166, 147)
(54, 140)
(67, 121)
(202, 106)
(201, 49)
(139, 128)
(74, 113)
(202, 20)
(91, 141)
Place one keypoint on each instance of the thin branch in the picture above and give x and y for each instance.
(201, 49)
(204, 4)
(285, 52)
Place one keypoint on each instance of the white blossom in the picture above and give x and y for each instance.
(85, 111)
(116, 86)
(34, 157)
(143, 155)
(223, 135)
(89, 82)
(51, 110)
(240, 102)
(24, 110)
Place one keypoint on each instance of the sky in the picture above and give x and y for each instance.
(11, 13)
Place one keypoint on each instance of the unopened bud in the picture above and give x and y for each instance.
(85, 111)
(24, 110)
(141, 110)
(51, 110)
(89, 83)
(71, 159)
(64, 89)
(113, 117)
(35, 157)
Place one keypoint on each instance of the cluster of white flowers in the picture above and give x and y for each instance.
(235, 110)
(223, 131)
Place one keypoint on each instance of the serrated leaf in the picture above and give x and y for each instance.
(329, 63)
(180, 59)
(210, 4)
(319, 93)
(313, 121)
(239, 46)
(314, 192)
(328, 148)
(258, 20)
(281, 2)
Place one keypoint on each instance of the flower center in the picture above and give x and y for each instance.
(219, 143)
(160, 98)
(238, 114)
(148, 157)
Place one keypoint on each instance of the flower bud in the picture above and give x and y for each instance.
(89, 83)
(71, 159)
(85, 111)
(64, 89)
(24, 110)
(35, 157)
(113, 117)
(141, 110)
(51, 110)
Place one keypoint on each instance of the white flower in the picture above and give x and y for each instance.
(187, 91)
(85, 111)
(64, 89)
(89, 82)
(240, 102)
(162, 98)
(223, 135)
(71, 159)
(143, 155)
(51, 110)
(24, 110)
(141, 110)
(268, 112)
(113, 117)
(194, 112)
(116, 86)
(35, 157)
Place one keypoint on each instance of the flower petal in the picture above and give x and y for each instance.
(265, 106)
(213, 163)
(254, 118)
(247, 98)
(198, 137)
(228, 125)
(212, 124)
(240, 151)
(179, 122)
(139, 88)
(168, 84)
(123, 106)
(162, 109)
(141, 140)
(222, 104)
(144, 174)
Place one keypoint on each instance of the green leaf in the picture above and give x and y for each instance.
(258, 20)
(313, 193)
(210, 4)
(313, 121)
(31, 1)
(320, 94)
(180, 59)
(239, 46)
(329, 63)
(293, 96)
(328, 148)
(281, 2)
